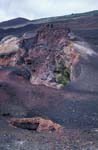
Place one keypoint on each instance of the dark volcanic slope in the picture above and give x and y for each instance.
(14, 22)
(84, 24)
(48, 87)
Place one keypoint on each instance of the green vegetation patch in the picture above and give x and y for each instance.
(62, 74)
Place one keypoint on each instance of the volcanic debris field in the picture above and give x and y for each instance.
(49, 83)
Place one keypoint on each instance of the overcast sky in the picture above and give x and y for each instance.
(34, 9)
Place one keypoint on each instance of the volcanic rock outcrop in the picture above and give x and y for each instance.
(48, 54)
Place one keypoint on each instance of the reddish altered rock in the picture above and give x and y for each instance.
(37, 124)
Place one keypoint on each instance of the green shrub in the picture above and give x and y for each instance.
(62, 75)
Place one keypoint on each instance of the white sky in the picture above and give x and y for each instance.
(34, 9)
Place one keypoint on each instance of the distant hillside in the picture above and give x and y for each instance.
(83, 24)
(67, 17)
(13, 22)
